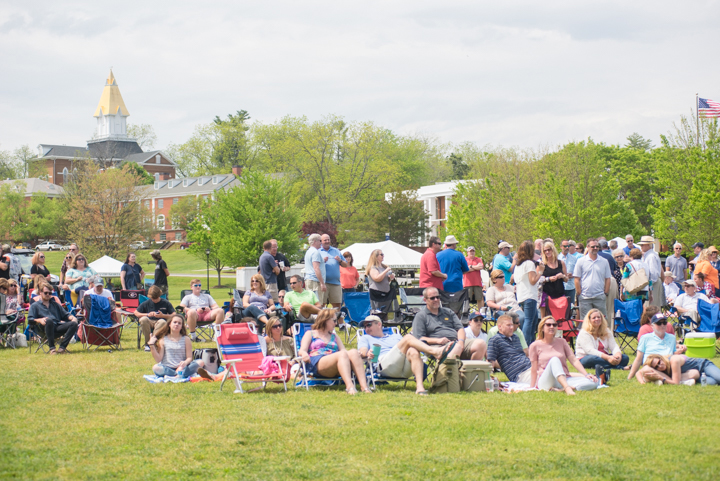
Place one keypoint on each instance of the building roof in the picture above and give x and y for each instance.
(113, 149)
(191, 185)
(111, 101)
(49, 150)
(34, 185)
(145, 156)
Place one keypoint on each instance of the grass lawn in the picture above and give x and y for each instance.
(92, 416)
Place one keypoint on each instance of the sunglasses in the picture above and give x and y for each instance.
(547, 250)
(381, 254)
(277, 326)
(433, 298)
(45, 293)
(593, 247)
(197, 285)
(253, 281)
(661, 323)
(564, 245)
(79, 259)
(293, 283)
(550, 324)
(41, 257)
(68, 257)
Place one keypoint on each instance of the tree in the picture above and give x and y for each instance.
(232, 147)
(202, 238)
(28, 220)
(144, 134)
(320, 228)
(185, 212)
(23, 156)
(9, 168)
(404, 217)
(235, 226)
(460, 169)
(637, 142)
(104, 210)
(139, 172)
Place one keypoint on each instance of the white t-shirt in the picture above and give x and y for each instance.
(671, 291)
(684, 301)
(105, 293)
(525, 290)
(470, 335)
(193, 301)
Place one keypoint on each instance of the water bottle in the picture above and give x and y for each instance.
(703, 380)
(496, 383)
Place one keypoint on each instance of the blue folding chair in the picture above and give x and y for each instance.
(356, 307)
(709, 319)
(627, 326)
(373, 376)
(69, 306)
(141, 298)
(299, 329)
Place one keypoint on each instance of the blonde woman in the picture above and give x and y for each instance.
(679, 369)
(257, 301)
(277, 344)
(596, 345)
(555, 274)
(38, 268)
(704, 266)
(379, 276)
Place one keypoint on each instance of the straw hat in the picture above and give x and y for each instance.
(646, 239)
(450, 240)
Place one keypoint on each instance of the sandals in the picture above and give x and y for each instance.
(422, 393)
(204, 374)
(448, 349)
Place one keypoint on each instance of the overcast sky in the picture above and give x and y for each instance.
(504, 73)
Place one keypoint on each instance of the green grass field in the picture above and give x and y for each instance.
(91, 415)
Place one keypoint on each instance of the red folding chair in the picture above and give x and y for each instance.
(560, 310)
(240, 353)
(129, 302)
(107, 332)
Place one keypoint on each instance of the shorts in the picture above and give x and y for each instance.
(475, 293)
(524, 377)
(394, 364)
(334, 293)
(312, 366)
(467, 353)
(273, 289)
(314, 286)
(205, 316)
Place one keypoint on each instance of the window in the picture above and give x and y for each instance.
(66, 175)
(176, 200)
(157, 176)
(161, 222)
(157, 159)
(178, 236)
(161, 203)
(147, 204)
(163, 237)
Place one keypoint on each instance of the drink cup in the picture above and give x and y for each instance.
(376, 352)
(281, 263)
(489, 385)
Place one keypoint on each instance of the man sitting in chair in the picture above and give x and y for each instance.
(200, 307)
(97, 289)
(439, 326)
(399, 356)
(155, 308)
(47, 312)
(303, 301)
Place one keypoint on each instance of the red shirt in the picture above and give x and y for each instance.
(428, 264)
(473, 278)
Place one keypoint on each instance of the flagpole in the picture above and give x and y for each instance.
(697, 116)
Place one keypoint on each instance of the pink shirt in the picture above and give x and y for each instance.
(428, 264)
(541, 352)
(473, 278)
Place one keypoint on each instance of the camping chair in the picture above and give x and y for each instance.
(627, 325)
(203, 329)
(142, 298)
(129, 301)
(8, 324)
(458, 302)
(239, 350)
(299, 329)
(72, 307)
(709, 319)
(373, 376)
(560, 310)
(98, 324)
(356, 307)
(411, 302)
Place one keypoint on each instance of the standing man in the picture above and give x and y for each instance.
(333, 260)
(453, 264)
(697, 248)
(283, 263)
(315, 269)
(652, 259)
(73, 250)
(570, 261)
(677, 263)
(472, 280)
(430, 274)
(613, 245)
(161, 273)
(502, 261)
(269, 270)
(630, 245)
(592, 280)
(613, 292)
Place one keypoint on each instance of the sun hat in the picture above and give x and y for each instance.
(504, 244)
(450, 240)
(712, 249)
(668, 274)
(646, 239)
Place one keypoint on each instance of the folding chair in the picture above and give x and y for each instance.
(458, 302)
(299, 329)
(411, 302)
(373, 376)
(239, 350)
(709, 319)
(142, 298)
(72, 307)
(8, 324)
(560, 309)
(356, 307)
(627, 326)
(129, 302)
(98, 324)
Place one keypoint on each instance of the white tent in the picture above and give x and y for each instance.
(106, 266)
(621, 242)
(396, 255)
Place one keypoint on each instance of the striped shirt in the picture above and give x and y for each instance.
(508, 352)
(174, 352)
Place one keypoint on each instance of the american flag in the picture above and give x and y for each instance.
(708, 109)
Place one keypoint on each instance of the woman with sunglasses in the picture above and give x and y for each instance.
(619, 256)
(349, 276)
(527, 276)
(636, 264)
(379, 277)
(325, 355)
(76, 278)
(548, 358)
(555, 275)
(679, 369)
(38, 268)
(501, 296)
(258, 302)
(14, 298)
(277, 344)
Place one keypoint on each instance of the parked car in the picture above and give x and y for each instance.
(48, 246)
(185, 245)
(137, 245)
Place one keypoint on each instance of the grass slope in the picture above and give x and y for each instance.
(91, 416)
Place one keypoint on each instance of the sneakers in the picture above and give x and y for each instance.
(659, 382)
(193, 337)
(146, 348)
(688, 382)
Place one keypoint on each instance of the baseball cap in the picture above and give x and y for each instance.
(689, 282)
(698, 244)
(370, 319)
(657, 318)
(470, 248)
(504, 244)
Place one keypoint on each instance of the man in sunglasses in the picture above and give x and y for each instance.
(570, 259)
(676, 263)
(200, 307)
(439, 326)
(656, 342)
(47, 312)
(592, 279)
(303, 302)
(430, 274)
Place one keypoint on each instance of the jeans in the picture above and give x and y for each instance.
(570, 293)
(589, 362)
(712, 372)
(553, 370)
(257, 313)
(189, 370)
(53, 327)
(530, 324)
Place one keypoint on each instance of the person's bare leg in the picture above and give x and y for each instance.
(418, 368)
(192, 318)
(307, 310)
(410, 341)
(359, 369)
(478, 350)
(563, 382)
(457, 350)
(219, 315)
(337, 363)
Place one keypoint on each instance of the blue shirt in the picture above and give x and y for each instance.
(503, 263)
(387, 342)
(132, 276)
(267, 264)
(570, 262)
(452, 263)
(608, 256)
(332, 266)
(508, 352)
(311, 255)
(651, 344)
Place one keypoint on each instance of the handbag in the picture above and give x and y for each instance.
(636, 281)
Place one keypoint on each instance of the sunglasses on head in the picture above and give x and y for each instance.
(433, 298)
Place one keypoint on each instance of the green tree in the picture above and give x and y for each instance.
(144, 134)
(459, 168)
(404, 217)
(185, 212)
(204, 243)
(28, 220)
(634, 170)
(9, 167)
(637, 142)
(232, 147)
(139, 172)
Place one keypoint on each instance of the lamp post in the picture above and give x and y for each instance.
(207, 255)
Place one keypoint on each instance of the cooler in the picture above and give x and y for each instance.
(474, 374)
(700, 344)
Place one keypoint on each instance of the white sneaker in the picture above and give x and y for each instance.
(659, 382)
(146, 348)
(688, 382)
(193, 337)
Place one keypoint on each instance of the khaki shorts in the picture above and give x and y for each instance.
(475, 293)
(273, 289)
(395, 364)
(334, 293)
(467, 353)
(315, 287)
(524, 377)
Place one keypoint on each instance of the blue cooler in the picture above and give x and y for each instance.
(700, 344)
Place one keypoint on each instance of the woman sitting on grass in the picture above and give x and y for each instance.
(172, 350)
(679, 369)
(277, 344)
(325, 355)
(596, 345)
(548, 359)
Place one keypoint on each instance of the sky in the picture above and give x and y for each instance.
(522, 74)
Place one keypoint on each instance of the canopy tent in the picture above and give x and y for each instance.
(621, 242)
(106, 266)
(396, 255)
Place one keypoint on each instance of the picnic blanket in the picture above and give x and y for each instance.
(152, 378)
